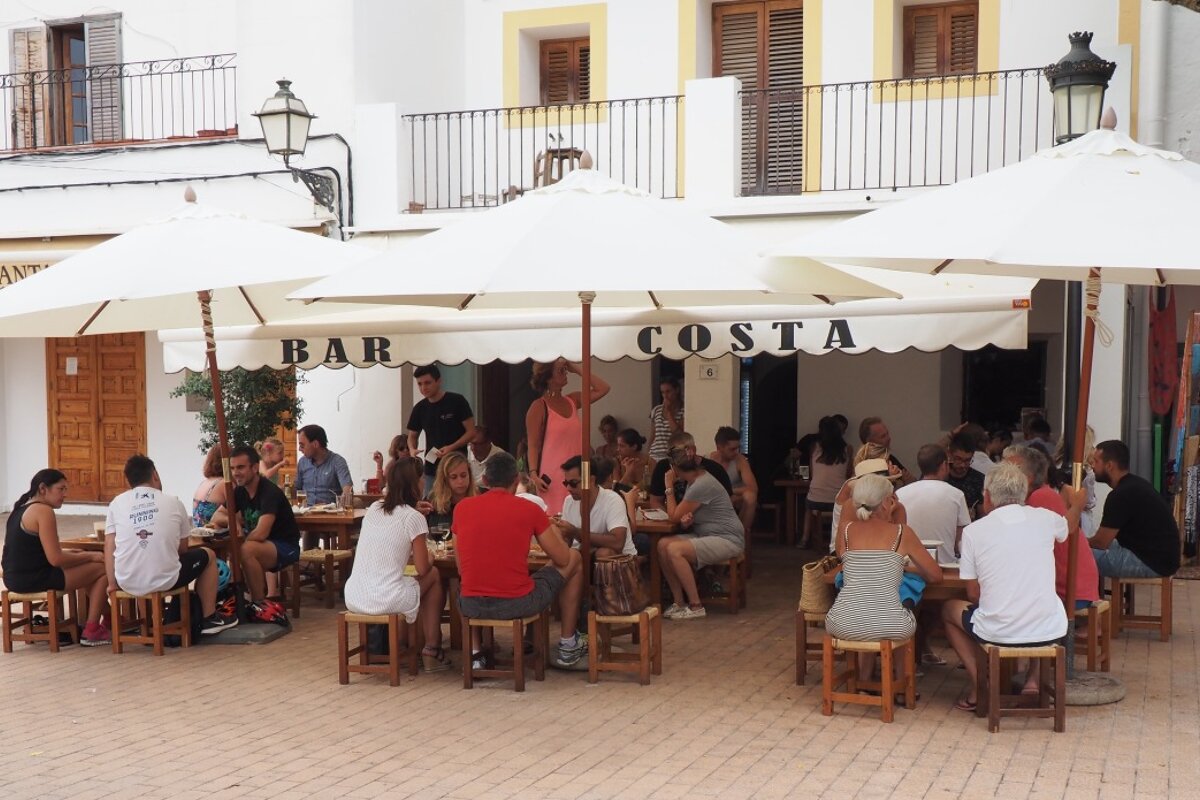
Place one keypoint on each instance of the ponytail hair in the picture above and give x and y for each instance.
(43, 477)
(869, 493)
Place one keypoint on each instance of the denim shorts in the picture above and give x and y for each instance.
(286, 554)
(1120, 562)
(547, 583)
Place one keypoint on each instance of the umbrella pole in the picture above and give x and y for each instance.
(214, 375)
(585, 469)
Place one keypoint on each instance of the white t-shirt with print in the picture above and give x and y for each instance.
(148, 525)
(935, 511)
(608, 513)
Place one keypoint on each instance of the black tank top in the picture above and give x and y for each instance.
(23, 553)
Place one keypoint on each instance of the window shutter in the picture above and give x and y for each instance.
(922, 38)
(963, 38)
(556, 72)
(28, 49)
(785, 77)
(583, 72)
(738, 40)
(103, 37)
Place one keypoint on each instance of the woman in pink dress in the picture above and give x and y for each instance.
(554, 428)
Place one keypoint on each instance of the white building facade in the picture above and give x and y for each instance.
(772, 116)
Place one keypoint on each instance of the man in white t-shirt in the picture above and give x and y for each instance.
(1008, 562)
(146, 545)
(936, 510)
(479, 450)
(609, 529)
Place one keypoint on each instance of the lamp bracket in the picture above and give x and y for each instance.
(319, 186)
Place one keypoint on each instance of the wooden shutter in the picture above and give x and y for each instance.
(103, 38)
(785, 78)
(566, 71)
(762, 44)
(940, 39)
(28, 49)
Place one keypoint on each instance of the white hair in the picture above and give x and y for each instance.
(869, 493)
(1007, 485)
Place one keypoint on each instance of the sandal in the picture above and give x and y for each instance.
(435, 661)
(932, 659)
(964, 704)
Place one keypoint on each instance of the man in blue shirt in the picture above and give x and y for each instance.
(320, 472)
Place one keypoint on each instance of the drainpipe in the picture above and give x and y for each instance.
(1152, 106)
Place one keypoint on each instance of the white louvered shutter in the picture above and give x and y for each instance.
(28, 49)
(103, 38)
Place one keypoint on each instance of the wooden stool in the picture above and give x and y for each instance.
(148, 613)
(541, 626)
(776, 530)
(734, 591)
(1097, 639)
(887, 650)
(21, 629)
(814, 525)
(648, 636)
(807, 649)
(367, 663)
(1123, 606)
(335, 568)
(989, 679)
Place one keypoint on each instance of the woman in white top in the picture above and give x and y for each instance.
(831, 466)
(393, 529)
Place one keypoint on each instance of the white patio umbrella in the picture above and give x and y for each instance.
(1100, 208)
(587, 241)
(199, 263)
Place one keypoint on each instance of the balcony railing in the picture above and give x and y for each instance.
(179, 98)
(891, 134)
(475, 159)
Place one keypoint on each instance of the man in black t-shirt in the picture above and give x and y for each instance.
(963, 476)
(444, 417)
(1138, 537)
(272, 539)
(682, 440)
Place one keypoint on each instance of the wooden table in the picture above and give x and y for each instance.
(90, 544)
(952, 586)
(336, 527)
(656, 529)
(793, 490)
(447, 567)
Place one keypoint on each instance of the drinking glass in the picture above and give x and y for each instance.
(301, 497)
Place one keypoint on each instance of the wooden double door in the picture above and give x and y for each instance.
(96, 402)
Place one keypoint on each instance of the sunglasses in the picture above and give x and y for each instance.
(572, 483)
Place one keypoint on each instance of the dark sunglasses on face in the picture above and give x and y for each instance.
(572, 483)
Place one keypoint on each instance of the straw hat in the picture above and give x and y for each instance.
(871, 466)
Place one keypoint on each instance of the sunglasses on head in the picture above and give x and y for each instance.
(572, 483)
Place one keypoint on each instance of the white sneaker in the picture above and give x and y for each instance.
(691, 613)
(673, 611)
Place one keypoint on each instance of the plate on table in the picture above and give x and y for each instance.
(655, 515)
(204, 533)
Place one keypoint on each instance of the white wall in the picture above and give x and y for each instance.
(23, 408)
(172, 433)
(1183, 90)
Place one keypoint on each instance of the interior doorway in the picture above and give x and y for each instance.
(769, 390)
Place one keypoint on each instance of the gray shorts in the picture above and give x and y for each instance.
(714, 549)
(547, 583)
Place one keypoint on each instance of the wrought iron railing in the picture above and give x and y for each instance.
(179, 98)
(893, 133)
(475, 159)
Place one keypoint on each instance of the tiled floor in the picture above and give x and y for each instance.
(724, 720)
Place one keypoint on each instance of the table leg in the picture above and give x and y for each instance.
(790, 512)
(455, 617)
(655, 574)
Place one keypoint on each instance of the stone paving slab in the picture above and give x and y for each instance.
(724, 720)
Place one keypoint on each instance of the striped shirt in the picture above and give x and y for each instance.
(662, 432)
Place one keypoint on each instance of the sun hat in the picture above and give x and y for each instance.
(871, 466)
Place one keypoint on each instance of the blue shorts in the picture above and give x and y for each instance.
(286, 554)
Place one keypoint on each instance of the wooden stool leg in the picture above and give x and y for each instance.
(1164, 633)
(468, 656)
(993, 690)
(393, 628)
(593, 654)
(541, 645)
(185, 636)
(328, 581)
(656, 640)
(52, 609)
(910, 675)
(6, 612)
(343, 633)
(644, 647)
(518, 633)
(801, 648)
(1105, 638)
(1117, 605)
(1093, 638)
(1060, 690)
(114, 610)
(887, 688)
(156, 622)
(827, 677)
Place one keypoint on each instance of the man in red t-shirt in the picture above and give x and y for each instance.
(492, 533)
(1036, 466)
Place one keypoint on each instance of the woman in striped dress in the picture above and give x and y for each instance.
(875, 554)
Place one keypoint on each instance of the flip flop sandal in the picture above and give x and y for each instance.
(964, 704)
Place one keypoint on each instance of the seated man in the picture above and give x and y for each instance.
(745, 488)
(1138, 537)
(491, 534)
(963, 476)
(321, 474)
(1008, 562)
(479, 450)
(271, 538)
(146, 545)
(608, 532)
(685, 443)
(936, 510)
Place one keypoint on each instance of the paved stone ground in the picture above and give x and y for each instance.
(724, 720)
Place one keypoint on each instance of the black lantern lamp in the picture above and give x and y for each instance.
(1077, 82)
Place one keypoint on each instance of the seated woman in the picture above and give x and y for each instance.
(634, 465)
(392, 530)
(716, 533)
(608, 430)
(33, 560)
(875, 553)
(208, 500)
(271, 456)
(397, 449)
(831, 466)
(452, 483)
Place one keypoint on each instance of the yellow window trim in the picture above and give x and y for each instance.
(595, 16)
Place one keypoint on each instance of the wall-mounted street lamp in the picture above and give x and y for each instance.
(285, 122)
(1077, 81)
